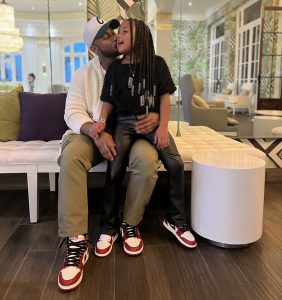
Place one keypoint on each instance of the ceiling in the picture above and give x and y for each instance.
(198, 7)
(40, 6)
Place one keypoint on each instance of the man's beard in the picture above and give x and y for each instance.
(111, 54)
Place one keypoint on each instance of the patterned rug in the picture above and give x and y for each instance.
(270, 146)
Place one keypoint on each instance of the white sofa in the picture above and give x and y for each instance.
(35, 157)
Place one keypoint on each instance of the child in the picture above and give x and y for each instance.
(137, 84)
(30, 81)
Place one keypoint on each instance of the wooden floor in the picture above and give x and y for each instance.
(30, 258)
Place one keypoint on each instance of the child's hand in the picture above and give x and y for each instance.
(161, 138)
(98, 128)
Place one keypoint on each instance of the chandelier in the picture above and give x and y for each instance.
(10, 40)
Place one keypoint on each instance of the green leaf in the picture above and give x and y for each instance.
(104, 9)
(136, 11)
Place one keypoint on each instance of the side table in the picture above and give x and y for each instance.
(227, 197)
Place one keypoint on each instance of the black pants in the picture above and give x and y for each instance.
(125, 135)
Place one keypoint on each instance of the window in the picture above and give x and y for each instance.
(252, 12)
(217, 40)
(11, 68)
(75, 55)
(248, 43)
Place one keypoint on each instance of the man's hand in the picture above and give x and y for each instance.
(97, 129)
(147, 123)
(106, 145)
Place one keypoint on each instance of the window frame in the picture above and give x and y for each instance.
(214, 42)
(243, 71)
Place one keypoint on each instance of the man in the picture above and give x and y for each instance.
(81, 151)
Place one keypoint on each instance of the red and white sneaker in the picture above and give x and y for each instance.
(77, 254)
(132, 241)
(105, 244)
(182, 233)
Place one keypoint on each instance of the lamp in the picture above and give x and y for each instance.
(10, 40)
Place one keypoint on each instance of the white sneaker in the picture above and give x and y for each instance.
(182, 233)
(76, 257)
(105, 244)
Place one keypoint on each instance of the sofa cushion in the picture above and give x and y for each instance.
(232, 122)
(200, 102)
(10, 114)
(42, 116)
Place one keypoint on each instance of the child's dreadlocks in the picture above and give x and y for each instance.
(142, 51)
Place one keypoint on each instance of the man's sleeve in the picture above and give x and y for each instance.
(76, 107)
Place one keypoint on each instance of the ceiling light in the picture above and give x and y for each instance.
(79, 3)
(190, 3)
(32, 8)
(10, 40)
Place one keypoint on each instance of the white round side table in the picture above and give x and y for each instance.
(227, 197)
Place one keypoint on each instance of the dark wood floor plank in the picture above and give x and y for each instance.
(13, 253)
(226, 273)
(164, 279)
(99, 278)
(130, 276)
(252, 262)
(7, 227)
(32, 276)
(197, 279)
(272, 258)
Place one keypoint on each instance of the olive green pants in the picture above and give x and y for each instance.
(79, 155)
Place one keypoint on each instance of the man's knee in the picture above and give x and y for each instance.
(77, 151)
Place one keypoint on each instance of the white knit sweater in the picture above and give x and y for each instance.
(83, 100)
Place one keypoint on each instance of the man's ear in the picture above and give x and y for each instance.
(94, 49)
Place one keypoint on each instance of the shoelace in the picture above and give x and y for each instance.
(74, 251)
(184, 228)
(130, 231)
(105, 237)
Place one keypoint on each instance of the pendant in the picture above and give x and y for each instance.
(154, 90)
(142, 100)
(130, 82)
(144, 83)
(132, 90)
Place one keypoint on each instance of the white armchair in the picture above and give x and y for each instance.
(241, 101)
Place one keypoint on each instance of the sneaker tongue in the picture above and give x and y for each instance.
(77, 238)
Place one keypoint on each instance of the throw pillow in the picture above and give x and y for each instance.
(10, 114)
(232, 122)
(227, 92)
(42, 116)
(200, 102)
(198, 85)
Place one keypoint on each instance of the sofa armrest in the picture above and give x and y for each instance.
(215, 118)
